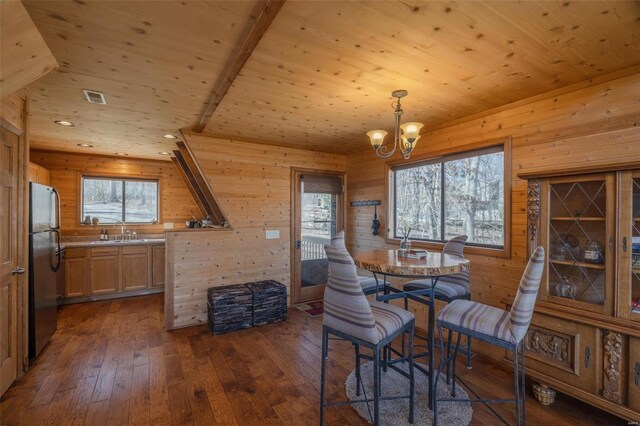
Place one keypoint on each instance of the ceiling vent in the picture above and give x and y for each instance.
(94, 97)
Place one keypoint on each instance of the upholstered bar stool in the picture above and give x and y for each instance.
(368, 284)
(349, 315)
(495, 326)
(449, 288)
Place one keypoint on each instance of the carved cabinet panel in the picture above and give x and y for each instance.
(563, 350)
(634, 373)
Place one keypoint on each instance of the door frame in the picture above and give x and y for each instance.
(22, 301)
(295, 224)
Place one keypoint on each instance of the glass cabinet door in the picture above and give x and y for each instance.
(635, 248)
(578, 236)
(629, 245)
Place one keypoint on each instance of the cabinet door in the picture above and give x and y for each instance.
(104, 274)
(158, 266)
(565, 351)
(629, 246)
(75, 277)
(135, 268)
(578, 233)
(634, 373)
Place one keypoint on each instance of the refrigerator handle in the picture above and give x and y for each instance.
(57, 221)
(58, 254)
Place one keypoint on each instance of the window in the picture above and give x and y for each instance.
(113, 199)
(440, 198)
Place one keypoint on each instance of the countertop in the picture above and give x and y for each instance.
(111, 243)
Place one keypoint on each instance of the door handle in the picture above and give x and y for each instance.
(298, 244)
(18, 270)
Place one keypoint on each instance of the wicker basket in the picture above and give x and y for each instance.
(544, 394)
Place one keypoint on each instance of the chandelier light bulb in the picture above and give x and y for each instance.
(376, 137)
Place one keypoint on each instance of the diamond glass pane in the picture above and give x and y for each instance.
(577, 241)
(635, 249)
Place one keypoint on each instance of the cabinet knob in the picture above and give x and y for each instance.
(624, 244)
(636, 374)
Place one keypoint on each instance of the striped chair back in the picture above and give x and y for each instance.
(455, 247)
(337, 241)
(522, 308)
(346, 309)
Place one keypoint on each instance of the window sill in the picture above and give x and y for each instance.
(436, 246)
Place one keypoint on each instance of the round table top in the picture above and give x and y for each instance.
(388, 262)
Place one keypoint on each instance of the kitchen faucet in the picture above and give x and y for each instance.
(122, 225)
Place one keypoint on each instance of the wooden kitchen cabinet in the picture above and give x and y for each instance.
(39, 174)
(76, 277)
(103, 270)
(135, 268)
(158, 266)
(109, 270)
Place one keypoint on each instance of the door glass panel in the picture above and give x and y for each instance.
(635, 249)
(319, 224)
(577, 241)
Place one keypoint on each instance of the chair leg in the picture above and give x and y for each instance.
(376, 386)
(411, 375)
(469, 352)
(450, 334)
(325, 350)
(385, 358)
(516, 389)
(358, 379)
(524, 394)
(406, 308)
(455, 357)
(444, 359)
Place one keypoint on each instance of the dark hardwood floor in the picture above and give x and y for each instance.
(111, 363)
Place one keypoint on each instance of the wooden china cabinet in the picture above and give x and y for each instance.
(584, 339)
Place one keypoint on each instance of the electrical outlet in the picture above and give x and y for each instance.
(272, 234)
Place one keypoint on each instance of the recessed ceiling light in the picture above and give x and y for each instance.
(64, 123)
(169, 136)
(121, 154)
(164, 153)
(85, 145)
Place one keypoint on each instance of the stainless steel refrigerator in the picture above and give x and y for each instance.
(44, 261)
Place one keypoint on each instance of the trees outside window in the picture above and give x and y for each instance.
(127, 200)
(454, 195)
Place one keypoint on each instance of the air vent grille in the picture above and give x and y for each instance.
(94, 97)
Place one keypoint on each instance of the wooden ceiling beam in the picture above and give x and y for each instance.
(264, 16)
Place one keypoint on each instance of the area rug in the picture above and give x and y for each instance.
(396, 412)
(311, 308)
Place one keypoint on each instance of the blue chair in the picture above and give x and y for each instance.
(349, 315)
(505, 329)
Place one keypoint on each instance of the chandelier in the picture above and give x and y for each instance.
(406, 135)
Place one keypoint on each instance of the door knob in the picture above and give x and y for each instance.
(18, 270)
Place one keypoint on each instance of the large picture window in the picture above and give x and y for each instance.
(116, 199)
(459, 194)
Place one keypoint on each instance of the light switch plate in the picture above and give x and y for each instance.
(272, 234)
(168, 225)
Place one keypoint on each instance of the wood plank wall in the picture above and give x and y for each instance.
(596, 124)
(176, 203)
(252, 183)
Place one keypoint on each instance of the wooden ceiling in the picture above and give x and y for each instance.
(322, 74)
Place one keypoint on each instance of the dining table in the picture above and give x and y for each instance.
(396, 263)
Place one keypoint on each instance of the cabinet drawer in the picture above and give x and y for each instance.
(564, 351)
(74, 253)
(135, 249)
(104, 251)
